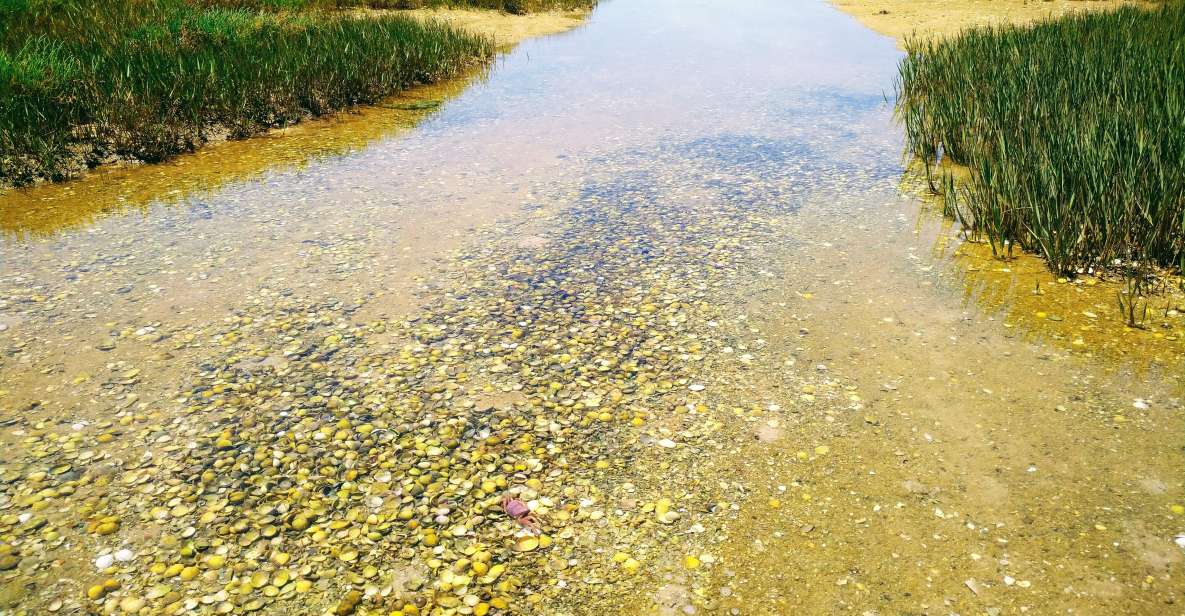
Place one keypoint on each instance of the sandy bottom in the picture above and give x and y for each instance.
(720, 350)
(902, 18)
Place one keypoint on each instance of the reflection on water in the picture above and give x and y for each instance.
(656, 279)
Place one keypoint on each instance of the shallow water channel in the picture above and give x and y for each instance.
(662, 278)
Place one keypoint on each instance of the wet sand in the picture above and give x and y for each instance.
(508, 30)
(901, 19)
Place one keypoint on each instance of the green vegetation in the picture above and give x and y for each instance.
(84, 81)
(1073, 131)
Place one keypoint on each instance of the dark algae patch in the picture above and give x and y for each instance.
(82, 83)
(1073, 132)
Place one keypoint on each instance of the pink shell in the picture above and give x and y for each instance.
(516, 508)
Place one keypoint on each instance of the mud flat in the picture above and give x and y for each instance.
(506, 29)
(902, 18)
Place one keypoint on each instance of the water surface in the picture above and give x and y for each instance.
(658, 277)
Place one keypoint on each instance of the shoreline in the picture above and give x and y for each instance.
(505, 30)
(904, 19)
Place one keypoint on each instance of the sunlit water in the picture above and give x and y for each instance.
(659, 277)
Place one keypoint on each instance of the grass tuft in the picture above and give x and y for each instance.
(85, 81)
(1073, 132)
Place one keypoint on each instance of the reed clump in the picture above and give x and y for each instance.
(1072, 130)
(87, 81)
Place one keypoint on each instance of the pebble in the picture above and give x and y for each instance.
(131, 605)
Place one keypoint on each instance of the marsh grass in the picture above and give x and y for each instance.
(1072, 130)
(86, 81)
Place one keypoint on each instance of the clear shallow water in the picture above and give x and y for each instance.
(669, 250)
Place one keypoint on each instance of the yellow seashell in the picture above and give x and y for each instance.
(526, 544)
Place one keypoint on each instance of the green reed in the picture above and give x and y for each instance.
(1073, 131)
(84, 81)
